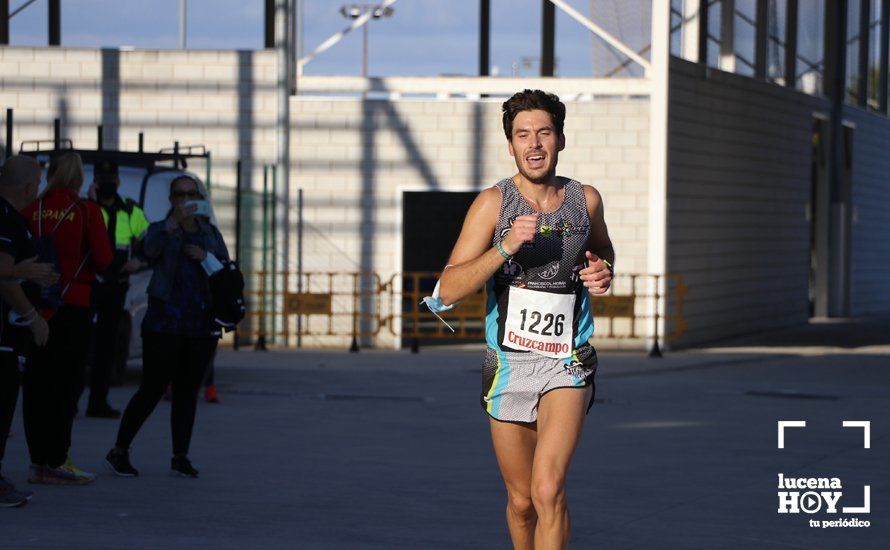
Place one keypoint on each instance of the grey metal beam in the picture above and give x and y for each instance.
(183, 13)
(4, 22)
(761, 39)
(791, 44)
(484, 37)
(835, 80)
(703, 32)
(885, 56)
(548, 38)
(835, 48)
(291, 45)
(862, 69)
(298, 30)
(689, 29)
(55, 23)
(8, 133)
(830, 260)
(282, 202)
(269, 24)
(727, 36)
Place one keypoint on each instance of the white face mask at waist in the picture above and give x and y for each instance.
(435, 305)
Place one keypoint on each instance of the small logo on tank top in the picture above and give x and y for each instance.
(562, 229)
(550, 272)
(511, 272)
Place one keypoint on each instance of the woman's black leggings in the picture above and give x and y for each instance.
(168, 359)
(52, 384)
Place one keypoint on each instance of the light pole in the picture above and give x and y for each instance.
(182, 12)
(354, 11)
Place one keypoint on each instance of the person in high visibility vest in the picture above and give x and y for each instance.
(126, 224)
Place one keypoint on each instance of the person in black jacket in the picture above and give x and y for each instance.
(21, 326)
(126, 225)
(178, 334)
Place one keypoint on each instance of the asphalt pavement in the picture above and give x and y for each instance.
(390, 450)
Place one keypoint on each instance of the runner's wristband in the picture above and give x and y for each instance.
(504, 252)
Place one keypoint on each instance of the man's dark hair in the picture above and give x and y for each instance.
(531, 100)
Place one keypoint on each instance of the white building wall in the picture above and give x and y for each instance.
(738, 186)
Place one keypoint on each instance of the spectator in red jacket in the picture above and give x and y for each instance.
(54, 381)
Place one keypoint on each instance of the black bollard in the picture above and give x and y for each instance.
(655, 352)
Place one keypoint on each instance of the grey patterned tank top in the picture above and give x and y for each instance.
(548, 264)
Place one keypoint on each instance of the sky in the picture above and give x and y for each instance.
(422, 38)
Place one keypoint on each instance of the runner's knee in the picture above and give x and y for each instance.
(547, 492)
(521, 506)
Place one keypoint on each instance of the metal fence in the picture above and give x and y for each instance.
(310, 308)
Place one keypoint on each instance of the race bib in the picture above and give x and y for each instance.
(540, 322)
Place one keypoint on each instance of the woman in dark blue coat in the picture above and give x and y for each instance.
(178, 335)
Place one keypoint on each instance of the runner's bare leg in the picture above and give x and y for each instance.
(514, 447)
(560, 419)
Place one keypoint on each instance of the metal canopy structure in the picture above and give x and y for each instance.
(54, 21)
(775, 27)
(337, 37)
(548, 36)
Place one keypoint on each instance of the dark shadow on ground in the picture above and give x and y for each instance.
(843, 333)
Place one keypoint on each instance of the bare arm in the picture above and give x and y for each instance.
(473, 259)
(597, 276)
(598, 242)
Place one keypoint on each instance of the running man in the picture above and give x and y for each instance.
(540, 243)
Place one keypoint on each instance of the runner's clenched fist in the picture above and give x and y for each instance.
(523, 231)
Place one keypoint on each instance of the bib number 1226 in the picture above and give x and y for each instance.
(553, 325)
(540, 322)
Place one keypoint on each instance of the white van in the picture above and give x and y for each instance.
(148, 185)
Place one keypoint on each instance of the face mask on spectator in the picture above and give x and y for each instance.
(106, 189)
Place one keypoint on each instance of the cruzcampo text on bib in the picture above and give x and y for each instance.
(540, 322)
